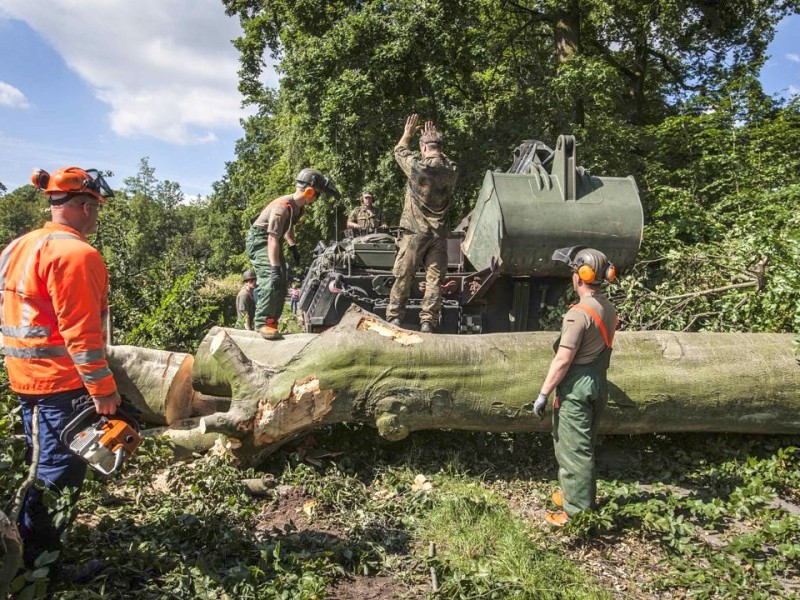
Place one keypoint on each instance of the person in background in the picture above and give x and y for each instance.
(424, 223)
(53, 307)
(294, 297)
(245, 302)
(578, 374)
(265, 250)
(367, 217)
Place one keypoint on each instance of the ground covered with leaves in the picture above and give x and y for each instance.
(344, 514)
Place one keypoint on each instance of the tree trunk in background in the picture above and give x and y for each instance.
(364, 370)
(567, 38)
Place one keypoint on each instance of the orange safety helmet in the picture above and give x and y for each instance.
(68, 181)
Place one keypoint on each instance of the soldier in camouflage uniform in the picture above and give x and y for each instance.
(424, 222)
(367, 217)
(264, 249)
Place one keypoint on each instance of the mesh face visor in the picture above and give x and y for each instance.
(567, 255)
(98, 184)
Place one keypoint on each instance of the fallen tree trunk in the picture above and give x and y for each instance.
(364, 370)
(159, 383)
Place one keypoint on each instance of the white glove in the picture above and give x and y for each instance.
(539, 405)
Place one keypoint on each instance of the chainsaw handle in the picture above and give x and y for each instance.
(73, 424)
(118, 456)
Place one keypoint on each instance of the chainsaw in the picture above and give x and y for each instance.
(102, 441)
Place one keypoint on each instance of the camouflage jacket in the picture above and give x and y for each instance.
(430, 185)
(367, 218)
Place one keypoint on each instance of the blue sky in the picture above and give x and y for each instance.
(103, 83)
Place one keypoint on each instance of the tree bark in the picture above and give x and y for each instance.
(159, 383)
(364, 370)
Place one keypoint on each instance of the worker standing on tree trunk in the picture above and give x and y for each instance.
(53, 307)
(424, 223)
(578, 374)
(264, 248)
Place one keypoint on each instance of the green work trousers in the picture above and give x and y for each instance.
(580, 399)
(271, 298)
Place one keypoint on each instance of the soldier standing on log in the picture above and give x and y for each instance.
(424, 223)
(578, 374)
(264, 249)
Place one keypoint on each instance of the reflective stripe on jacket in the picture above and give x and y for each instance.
(53, 304)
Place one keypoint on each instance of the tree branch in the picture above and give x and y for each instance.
(678, 77)
(724, 288)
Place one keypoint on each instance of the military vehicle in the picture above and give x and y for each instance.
(500, 272)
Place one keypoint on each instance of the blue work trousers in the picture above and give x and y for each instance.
(58, 469)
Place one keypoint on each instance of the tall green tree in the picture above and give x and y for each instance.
(156, 254)
(21, 211)
(721, 248)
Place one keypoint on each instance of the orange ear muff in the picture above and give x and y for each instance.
(309, 193)
(586, 273)
(611, 273)
(40, 179)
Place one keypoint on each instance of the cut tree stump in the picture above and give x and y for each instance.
(260, 394)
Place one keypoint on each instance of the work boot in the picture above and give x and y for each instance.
(396, 322)
(426, 327)
(557, 499)
(270, 330)
(81, 573)
(557, 519)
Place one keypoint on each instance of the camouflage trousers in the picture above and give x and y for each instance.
(431, 253)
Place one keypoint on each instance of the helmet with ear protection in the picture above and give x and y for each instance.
(71, 180)
(591, 265)
(312, 178)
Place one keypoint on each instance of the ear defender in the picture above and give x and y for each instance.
(586, 273)
(309, 193)
(40, 178)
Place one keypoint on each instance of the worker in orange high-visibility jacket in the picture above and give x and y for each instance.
(53, 307)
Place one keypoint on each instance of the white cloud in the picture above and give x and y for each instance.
(793, 57)
(168, 70)
(794, 90)
(12, 97)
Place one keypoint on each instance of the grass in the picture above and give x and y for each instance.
(485, 551)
